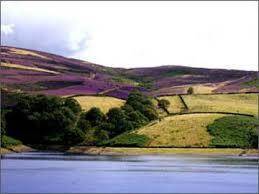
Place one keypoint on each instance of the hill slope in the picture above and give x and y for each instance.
(40, 72)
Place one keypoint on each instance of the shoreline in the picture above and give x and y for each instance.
(93, 150)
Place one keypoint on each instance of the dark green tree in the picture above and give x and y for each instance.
(95, 116)
(163, 103)
(190, 90)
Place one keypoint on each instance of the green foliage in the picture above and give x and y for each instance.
(118, 118)
(128, 140)
(73, 105)
(7, 141)
(44, 119)
(150, 113)
(137, 119)
(3, 122)
(125, 80)
(163, 103)
(254, 82)
(95, 116)
(190, 90)
(101, 136)
(175, 72)
(234, 131)
(143, 104)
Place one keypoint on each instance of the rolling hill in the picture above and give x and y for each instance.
(24, 70)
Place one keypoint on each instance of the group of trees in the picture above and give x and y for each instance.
(39, 119)
(44, 119)
(137, 111)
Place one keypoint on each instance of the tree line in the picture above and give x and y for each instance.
(40, 119)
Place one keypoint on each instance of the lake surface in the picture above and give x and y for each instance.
(47, 172)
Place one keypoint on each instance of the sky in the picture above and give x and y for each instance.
(215, 34)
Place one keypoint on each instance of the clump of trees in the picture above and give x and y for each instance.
(39, 119)
(44, 120)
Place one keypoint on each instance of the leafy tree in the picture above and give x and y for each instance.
(3, 122)
(73, 105)
(101, 135)
(143, 104)
(117, 117)
(137, 119)
(163, 103)
(44, 119)
(190, 90)
(151, 113)
(95, 116)
(106, 126)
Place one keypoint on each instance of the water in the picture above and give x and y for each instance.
(37, 172)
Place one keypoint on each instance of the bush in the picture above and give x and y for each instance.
(190, 90)
(234, 131)
(128, 140)
(7, 141)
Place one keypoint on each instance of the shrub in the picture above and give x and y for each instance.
(190, 90)
(7, 141)
(234, 131)
(128, 140)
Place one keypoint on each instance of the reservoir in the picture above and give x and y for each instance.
(56, 172)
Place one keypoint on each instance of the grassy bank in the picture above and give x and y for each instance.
(143, 151)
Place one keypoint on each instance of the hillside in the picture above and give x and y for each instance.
(24, 70)
(200, 130)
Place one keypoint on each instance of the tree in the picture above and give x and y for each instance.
(190, 90)
(44, 119)
(143, 104)
(163, 103)
(151, 113)
(137, 119)
(95, 116)
(117, 117)
(3, 123)
(73, 105)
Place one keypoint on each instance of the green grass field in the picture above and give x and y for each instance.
(236, 103)
(176, 104)
(102, 102)
(180, 131)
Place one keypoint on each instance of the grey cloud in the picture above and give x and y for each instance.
(45, 35)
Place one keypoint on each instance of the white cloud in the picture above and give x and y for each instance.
(134, 34)
(7, 29)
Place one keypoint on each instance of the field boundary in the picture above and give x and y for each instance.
(206, 94)
(209, 112)
(183, 102)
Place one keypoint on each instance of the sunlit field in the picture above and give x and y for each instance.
(180, 131)
(104, 103)
(236, 103)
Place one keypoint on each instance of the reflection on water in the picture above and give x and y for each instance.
(59, 172)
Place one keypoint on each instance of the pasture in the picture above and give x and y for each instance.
(188, 130)
(236, 103)
(102, 102)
